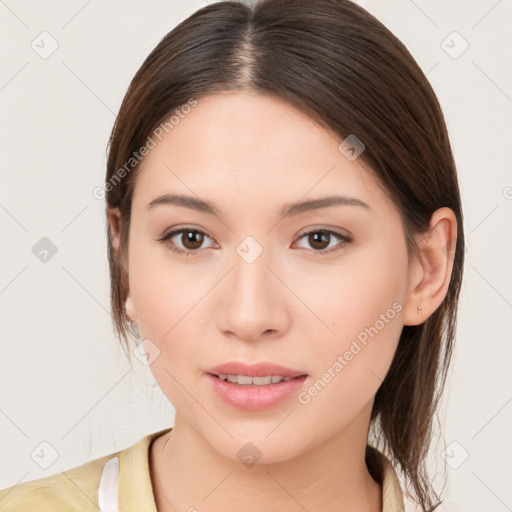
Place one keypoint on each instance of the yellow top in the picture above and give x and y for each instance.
(76, 490)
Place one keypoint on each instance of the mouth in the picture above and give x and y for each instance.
(257, 387)
(247, 380)
(262, 373)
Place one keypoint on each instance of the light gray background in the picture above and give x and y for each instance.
(64, 381)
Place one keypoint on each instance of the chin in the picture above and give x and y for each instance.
(255, 446)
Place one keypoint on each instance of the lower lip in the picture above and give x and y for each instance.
(255, 398)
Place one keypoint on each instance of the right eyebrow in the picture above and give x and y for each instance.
(185, 201)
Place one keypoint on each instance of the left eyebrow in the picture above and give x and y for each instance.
(289, 210)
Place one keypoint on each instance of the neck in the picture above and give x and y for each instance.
(188, 474)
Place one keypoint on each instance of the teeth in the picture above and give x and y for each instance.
(261, 381)
(245, 380)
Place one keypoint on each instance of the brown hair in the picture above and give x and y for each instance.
(337, 63)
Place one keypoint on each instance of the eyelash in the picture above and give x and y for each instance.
(345, 240)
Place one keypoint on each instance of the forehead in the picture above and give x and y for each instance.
(251, 147)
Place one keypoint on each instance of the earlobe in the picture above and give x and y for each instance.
(432, 275)
(130, 308)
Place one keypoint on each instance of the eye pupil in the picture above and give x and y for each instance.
(193, 237)
(320, 237)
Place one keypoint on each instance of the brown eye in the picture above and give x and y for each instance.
(192, 240)
(184, 241)
(321, 239)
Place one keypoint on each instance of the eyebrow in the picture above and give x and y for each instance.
(288, 210)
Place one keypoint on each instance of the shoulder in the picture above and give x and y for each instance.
(72, 490)
(76, 489)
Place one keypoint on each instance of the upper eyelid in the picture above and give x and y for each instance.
(306, 231)
(173, 232)
(177, 231)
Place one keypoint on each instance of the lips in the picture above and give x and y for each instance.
(262, 369)
(254, 396)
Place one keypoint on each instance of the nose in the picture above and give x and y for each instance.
(254, 301)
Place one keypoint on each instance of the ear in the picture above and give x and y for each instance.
(114, 220)
(431, 272)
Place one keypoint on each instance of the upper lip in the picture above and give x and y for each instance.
(254, 370)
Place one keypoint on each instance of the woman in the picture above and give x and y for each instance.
(285, 237)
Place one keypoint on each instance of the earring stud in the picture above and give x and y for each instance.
(420, 309)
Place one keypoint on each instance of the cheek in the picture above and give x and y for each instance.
(163, 291)
(167, 299)
(354, 294)
(362, 304)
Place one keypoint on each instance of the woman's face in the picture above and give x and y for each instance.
(318, 290)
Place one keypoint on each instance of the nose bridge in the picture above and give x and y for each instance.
(253, 302)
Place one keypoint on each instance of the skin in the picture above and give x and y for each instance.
(250, 154)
